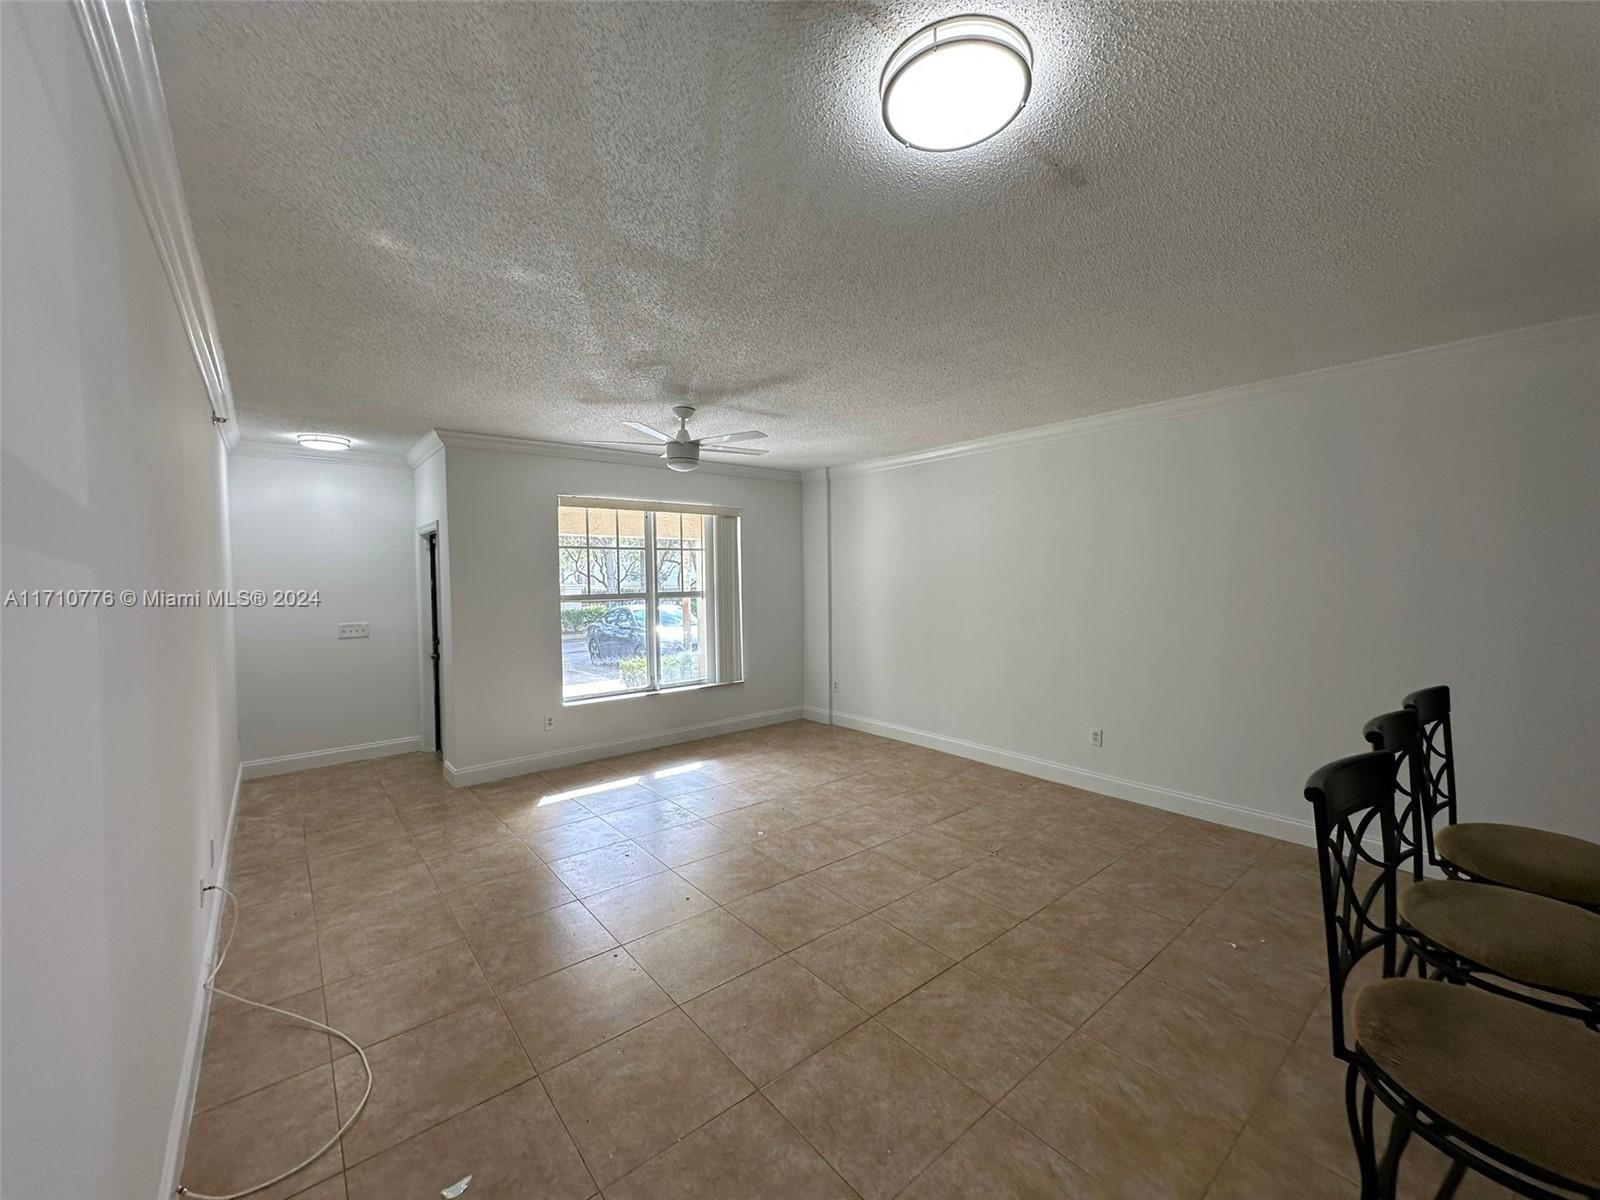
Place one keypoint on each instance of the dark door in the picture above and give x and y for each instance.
(433, 604)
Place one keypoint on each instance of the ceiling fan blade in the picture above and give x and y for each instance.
(749, 435)
(732, 450)
(648, 431)
(650, 446)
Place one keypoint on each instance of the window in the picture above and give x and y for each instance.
(649, 597)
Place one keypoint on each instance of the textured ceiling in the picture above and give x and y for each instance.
(541, 219)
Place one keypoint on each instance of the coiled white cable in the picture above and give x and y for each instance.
(211, 986)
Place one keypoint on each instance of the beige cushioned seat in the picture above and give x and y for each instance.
(1524, 937)
(1520, 1079)
(1531, 860)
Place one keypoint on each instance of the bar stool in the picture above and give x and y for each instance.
(1530, 860)
(1500, 1087)
(1479, 934)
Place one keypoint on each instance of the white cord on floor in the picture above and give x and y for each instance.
(211, 986)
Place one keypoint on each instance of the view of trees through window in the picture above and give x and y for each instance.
(633, 600)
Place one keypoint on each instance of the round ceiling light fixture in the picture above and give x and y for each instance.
(322, 441)
(956, 82)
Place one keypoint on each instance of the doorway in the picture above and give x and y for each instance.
(432, 538)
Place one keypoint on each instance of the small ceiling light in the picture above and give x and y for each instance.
(956, 83)
(322, 441)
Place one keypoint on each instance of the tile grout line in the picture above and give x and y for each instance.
(756, 1089)
(788, 954)
(442, 1016)
(532, 1066)
(680, 1007)
(494, 994)
(873, 1017)
(322, 980)
(1288, 1049)
(1078, 1028)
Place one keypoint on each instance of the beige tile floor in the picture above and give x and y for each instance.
(792, 962)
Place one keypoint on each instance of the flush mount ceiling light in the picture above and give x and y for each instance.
(322, 441)
(956, 82)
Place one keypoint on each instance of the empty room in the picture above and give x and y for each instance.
(647, 600)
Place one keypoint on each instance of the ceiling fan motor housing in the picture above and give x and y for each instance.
(681, 456)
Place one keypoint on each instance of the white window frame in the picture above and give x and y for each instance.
(651, 596)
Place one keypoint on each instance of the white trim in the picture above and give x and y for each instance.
(1204, 808)
(425, 448)
(625, 504)
(508, 767)
(516, 445)
(1574, 329)
(258, 768)
(364, 458)
(671, 689)
(199, 1016)
(117, 35)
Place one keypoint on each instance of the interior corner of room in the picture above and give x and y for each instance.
(444, 415)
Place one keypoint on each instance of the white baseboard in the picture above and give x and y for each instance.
(1219, 812)
(199, 1015)
(258, 768)
(813, 713)
(507, 767)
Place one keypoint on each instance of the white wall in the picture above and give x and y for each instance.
(505, 645)
(1231, 593)
(120, 751)
(346, 530)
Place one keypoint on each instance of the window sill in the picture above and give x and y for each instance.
(667, 691)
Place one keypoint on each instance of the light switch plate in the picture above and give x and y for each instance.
(352, 629)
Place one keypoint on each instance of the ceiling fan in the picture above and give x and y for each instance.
(683, 452)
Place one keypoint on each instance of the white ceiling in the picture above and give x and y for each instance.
(541, 219)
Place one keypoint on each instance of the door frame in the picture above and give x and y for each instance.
(431, 701)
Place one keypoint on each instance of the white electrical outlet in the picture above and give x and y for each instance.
(835, 687)
(352, 629)
(549, 724)
(1097, 737)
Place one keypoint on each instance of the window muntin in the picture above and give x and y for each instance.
(602, 552)
(634, 608)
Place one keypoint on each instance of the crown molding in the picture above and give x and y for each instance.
(427, 446)
(1575, 329)
(516, 445)
(349, 458)
(117, 36)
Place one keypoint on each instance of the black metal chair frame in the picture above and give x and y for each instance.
(1432, 706)
(1350, 797)
(1401, 733)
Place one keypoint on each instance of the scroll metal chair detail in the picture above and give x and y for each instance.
(1531, 860)
(1500, 1087)
(1400, 734)
(1474, 933)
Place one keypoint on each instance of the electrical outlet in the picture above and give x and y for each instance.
(835, 687)
(1097, 737)
(549, 724)
(352, 629)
